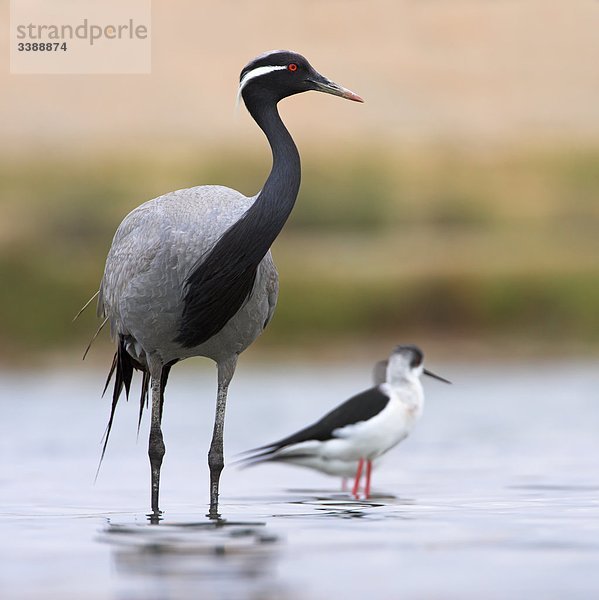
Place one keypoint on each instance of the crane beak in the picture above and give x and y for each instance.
(322, 84)
(435, 376)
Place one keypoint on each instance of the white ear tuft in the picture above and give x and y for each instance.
(257, 72)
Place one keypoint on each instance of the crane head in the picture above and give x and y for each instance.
(281, 73)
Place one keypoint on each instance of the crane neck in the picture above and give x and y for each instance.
(277, 197)
(221, 282)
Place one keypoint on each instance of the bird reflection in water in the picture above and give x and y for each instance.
(180, 559)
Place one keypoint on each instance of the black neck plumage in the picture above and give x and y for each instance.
(219, 285)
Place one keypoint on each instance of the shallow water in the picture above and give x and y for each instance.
(495, 494)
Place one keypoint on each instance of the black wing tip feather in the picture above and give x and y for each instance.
(254, 455)
(122, 368)
(253, 459)
(110, 373)
(267, 456)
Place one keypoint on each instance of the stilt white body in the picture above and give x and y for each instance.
(368, 439)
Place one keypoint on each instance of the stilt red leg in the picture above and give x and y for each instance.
(344, 484)
(358, 477)
(368, 471)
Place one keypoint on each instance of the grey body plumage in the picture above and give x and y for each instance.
(190, 273)
(144, 280)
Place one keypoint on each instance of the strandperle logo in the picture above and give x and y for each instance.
(85, 31)
(82, 37)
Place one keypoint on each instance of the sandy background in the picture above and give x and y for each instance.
(466, 70)
(458, 205)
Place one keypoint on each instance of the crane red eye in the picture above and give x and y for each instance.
(292, 67)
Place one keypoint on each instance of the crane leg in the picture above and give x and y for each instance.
(156, 448)
(216, 460)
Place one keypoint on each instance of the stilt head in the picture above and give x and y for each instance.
(407, 363)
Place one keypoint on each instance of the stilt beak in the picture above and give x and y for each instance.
(435, 376)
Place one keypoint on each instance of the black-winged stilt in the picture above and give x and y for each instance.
(347, 440)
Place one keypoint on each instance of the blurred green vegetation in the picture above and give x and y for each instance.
(428, 243)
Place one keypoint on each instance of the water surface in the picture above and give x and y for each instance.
(495, 494)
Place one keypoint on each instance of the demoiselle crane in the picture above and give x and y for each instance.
(190, 273)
